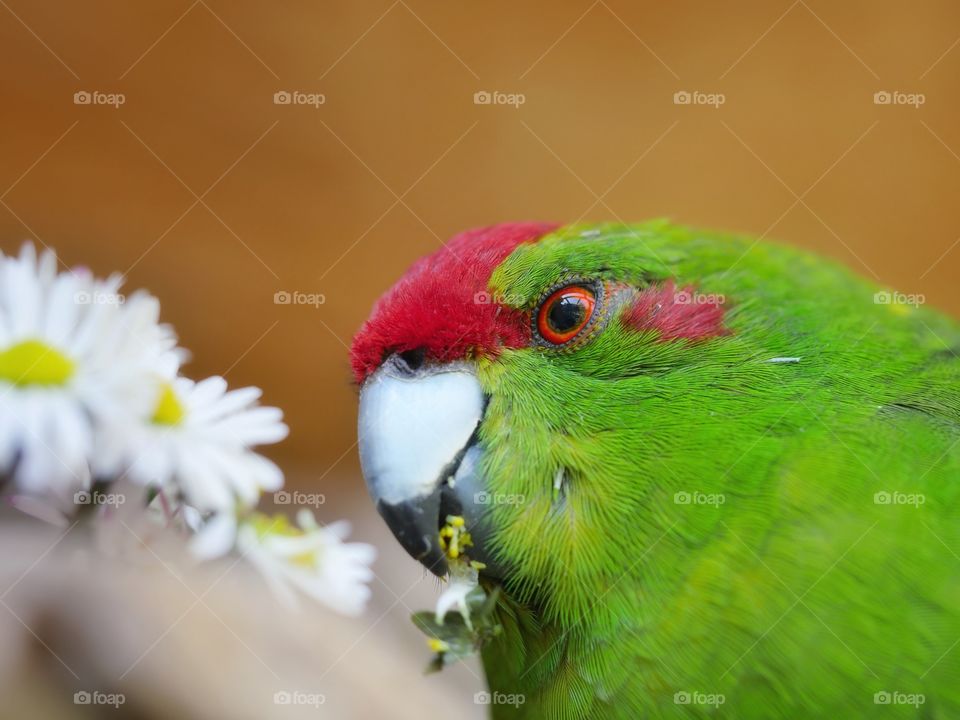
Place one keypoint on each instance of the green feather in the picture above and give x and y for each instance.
(796, 592)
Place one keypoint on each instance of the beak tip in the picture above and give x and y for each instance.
(436, 563)
(414, 524)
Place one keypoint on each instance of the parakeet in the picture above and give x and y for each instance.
(711, 476)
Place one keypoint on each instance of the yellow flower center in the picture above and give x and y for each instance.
(33, 362)
(169, 411)
(267, 525)
(437, 645)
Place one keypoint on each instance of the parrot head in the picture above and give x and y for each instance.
(537, 381)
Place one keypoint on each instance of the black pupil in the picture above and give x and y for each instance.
(566, 314)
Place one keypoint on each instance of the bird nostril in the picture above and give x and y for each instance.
(413, 359)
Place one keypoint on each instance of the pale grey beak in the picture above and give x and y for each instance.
(419, 451)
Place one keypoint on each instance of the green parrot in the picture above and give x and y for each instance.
(706, 476)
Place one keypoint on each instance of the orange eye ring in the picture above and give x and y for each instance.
(565, 313)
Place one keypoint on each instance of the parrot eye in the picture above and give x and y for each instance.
(565, 312)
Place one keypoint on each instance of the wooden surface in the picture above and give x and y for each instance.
(182, 641)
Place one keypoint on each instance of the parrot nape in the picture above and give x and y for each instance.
(711, 477)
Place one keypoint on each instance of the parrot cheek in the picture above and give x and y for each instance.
(417, 430)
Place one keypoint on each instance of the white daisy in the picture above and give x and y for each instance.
(463, 580)
(72, 353)
(213, 537)
(196, 445)
(312, 559)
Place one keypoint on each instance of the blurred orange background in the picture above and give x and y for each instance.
(203, 189)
